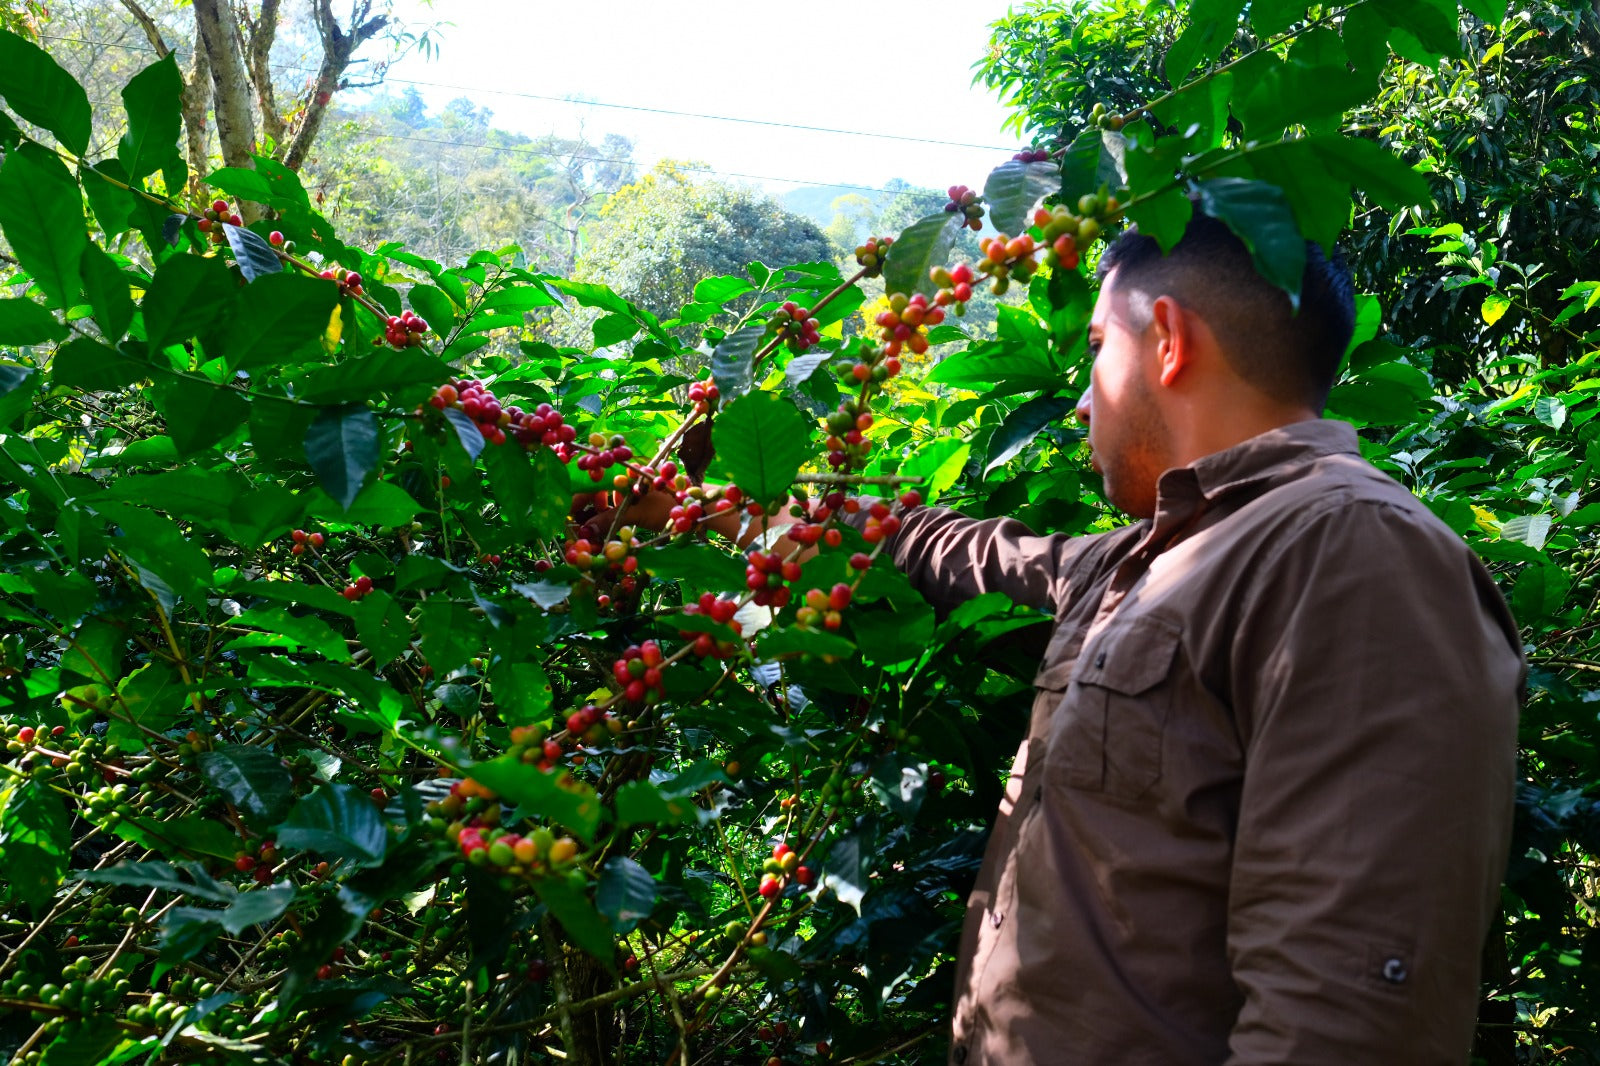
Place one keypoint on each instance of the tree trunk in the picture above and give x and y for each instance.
(215, 21)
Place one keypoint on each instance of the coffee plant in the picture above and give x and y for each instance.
(383, 683)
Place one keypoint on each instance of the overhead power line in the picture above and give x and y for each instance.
(573, 102)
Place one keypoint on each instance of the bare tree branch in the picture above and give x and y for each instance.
(338, 48)
(152, 32)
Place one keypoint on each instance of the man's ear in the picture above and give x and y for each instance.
(1174, 338)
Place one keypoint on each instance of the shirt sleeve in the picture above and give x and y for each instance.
(950, 558)
(1376, 679)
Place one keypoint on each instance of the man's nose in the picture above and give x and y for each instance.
(1086, 404)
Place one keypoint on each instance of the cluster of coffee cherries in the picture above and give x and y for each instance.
(704, 396)
(824, 608)
(721, 611)
(639, 672)
(846, 443)
(903, 323)
(1105, 118)
(964, 201)
(795, 325)
(357, 589)
(1005, 258)
(303, 540)
(606, 452)
(349, 281)
(404, 330)
(614, 554)
(214, 217)
(1032, 155)
(870, 255)
(277, 240)
(955, 286)
(592, 724)
(881, 519)
(258, 865)
(542, 425)
(766, 575)
(1094, 211)
(784, 864)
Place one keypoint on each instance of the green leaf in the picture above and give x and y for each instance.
(1494, 307)
(1372, 168)
(35, 837)
(167, 562)
(300, 631)
(1423, 31)
(412, 371)
(1260, 216)
(850, 866)
(382, 625)
(88, 365)
(1551, 411)
(342, 448)
(18, 386)
(199, 413)
(245, 184)
(1022, 425)
(613, 329)
(721, 289)
(900, 782)
(1527, 529)
(253, 254)
(107, 288)
(41, 92)
(151, 697)
(626, 895)
(381, 503)
(762, 441)
(161, 874)
(435, 307)
(795, 640)
(184, 296)
(1539, 592)
(339, 822)
(1268, 18)
(275, 317)
(923, 245)
(23, 322)
(1212, 24)
(113, 206)
(577, 917)
(258, 906)
(938, 463)
(521, 691)
(468, 435)
(1011, 192)
(153, 99)
(41, 213)
(733, 361)
(252, 779)
(532, 497)
(700, 566)
(556, 795)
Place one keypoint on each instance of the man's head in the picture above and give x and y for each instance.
(1195, 351)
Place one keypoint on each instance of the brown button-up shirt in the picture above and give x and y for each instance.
(1263, 807)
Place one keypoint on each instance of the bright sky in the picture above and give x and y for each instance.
(792, 63)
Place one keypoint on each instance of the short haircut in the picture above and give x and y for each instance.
(1292, 357)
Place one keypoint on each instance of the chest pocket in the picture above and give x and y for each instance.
(1107, 732)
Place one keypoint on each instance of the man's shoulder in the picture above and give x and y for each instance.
(1344, 501)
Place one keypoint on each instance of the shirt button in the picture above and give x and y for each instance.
(995, 918)
(1394, 971)
(959, 1053)
(1099, 660)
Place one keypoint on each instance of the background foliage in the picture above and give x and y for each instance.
(255, 781)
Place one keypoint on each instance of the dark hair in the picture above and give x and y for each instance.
(1291, 356)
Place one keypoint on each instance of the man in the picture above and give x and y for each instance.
(1263, 807)
(1264, 803)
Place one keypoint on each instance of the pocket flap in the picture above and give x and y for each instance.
(1130, 658)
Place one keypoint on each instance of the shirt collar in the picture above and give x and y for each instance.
(1260, 458)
